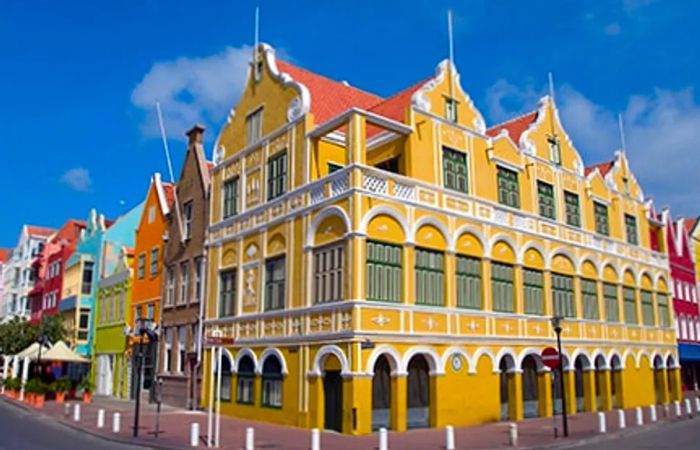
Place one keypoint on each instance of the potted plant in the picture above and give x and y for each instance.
(7, 384)
(36, 392)
(86, 386)
(60, 387)
(12, 386)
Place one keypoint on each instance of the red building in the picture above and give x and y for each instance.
(47, 268)
(685, 296)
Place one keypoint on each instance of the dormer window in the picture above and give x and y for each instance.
(451, 109)
(626, 184)
(554, 150)
(254, 126)
(258, 69)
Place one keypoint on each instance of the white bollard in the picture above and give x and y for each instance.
(688, 409)
(116, 422)
(194, 435)
(677, 405)
(621, 418)
(76, 412)
(602, 427)
(640, 416)
(513, 434)
(666, 411)
(315, 439)
(383, 439)
(66, 410)
(697, 405)
(652, 413)
(100, 418)
(250, 438)
(449, 438)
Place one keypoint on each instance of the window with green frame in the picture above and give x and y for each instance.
(508, 189)
(554, 149)
(533, 287)
(563, 295)
(227, 293)
(468, 282)
(573, 213)
(277, 175)
(610, 295)
(274, 283)
(502, 287)
(631, 229)
(589, 295)
(451, 109)
(662, 301)
(454, 170)
(230, 197)
(630, 305)
(384, 271)
(545, 200)
(430, 277)
(601, 218)
(647, 308)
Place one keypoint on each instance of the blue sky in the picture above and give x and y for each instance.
(79, 80)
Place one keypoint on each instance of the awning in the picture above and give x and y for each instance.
(32, 352)
(689, 352)
(62, 353)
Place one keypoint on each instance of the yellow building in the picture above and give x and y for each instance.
(393, 262)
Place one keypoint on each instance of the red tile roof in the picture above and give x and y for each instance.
(169, 191)
(515, 127)
(329, 98)
(210, 166)
(40, 231)
(603, 167)
(690, 224)
(4, 254)
(395, 106)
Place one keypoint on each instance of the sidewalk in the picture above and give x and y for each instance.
(175, 430)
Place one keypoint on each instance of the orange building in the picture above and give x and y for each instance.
(148, 264)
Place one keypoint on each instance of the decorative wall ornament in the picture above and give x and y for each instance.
(295, 110)
(252, 250)
(473, 325)
(219, 154)
(380, 320)
(250, 280)
(456, 361)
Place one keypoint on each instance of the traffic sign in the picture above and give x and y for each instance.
(550, 357)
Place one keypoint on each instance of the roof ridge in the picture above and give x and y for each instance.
(513, 119)
(343, 83)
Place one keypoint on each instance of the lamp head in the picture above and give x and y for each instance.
(556, 323)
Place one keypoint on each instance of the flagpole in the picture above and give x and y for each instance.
(170, 169)
(451, 50)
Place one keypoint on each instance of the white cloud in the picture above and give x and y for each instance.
(192, 90)
(77, 179)
(662, 131)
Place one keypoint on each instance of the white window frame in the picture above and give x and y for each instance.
(184, 282)
(253, 125)
(153, 268)
(181, 350)
(187, 219)
(168, 348)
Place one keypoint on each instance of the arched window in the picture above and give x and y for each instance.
(245, 380)
(272, 382)
(225, 378)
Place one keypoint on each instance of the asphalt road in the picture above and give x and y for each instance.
(22, 430)
(683, 435)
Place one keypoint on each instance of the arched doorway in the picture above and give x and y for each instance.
(616, 381)
(272, 382)
(530, 392)
(418, 393)
(659, 379)
(670, 379)
(579, 364)
(381, 394)
(556, 385)
(506, 367)
(245, 380)
(332, 394)
(600, 384)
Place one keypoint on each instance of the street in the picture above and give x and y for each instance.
(683, 435)
(19, 429)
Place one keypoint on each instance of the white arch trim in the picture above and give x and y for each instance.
(674, 364)
(431, 357)
(611, 355)
(391, 212)
(268, 352)
(641, 274)
(454, 350)
(245, 351)
(326, 212)
(536, 246)
(531, 351)
(627, 353)
(656, 354)
(323, 352)
(468, 229)
(581, 352)
(638, 358)
(657, 279)
(596, 265)
(506, 351)
(596, 353)
(500, 237)
(427, 220)
(627, 268)
(481, 351)
(392, 355)
(226, 354)
(613, 265)
(565, 252)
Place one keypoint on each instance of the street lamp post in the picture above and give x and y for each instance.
(42, 340)
(143, 328)
(556, 324)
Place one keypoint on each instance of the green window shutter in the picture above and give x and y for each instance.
(277, 175)
(275, 283)
(610, 295)
(545, 197)
(631, 229)
(384, 271)
(454, 170)
(468, 282)
(601, 218)
(502, 287)
(430, 277)
(227, 289)
(230, 197)
(508, 189)
(647, 308)
(573, 214)
(589, 294)
(630, 304)
(533, 286)
(662, 300)
(563, 295)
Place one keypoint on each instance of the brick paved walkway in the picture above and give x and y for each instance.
(175, 429)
